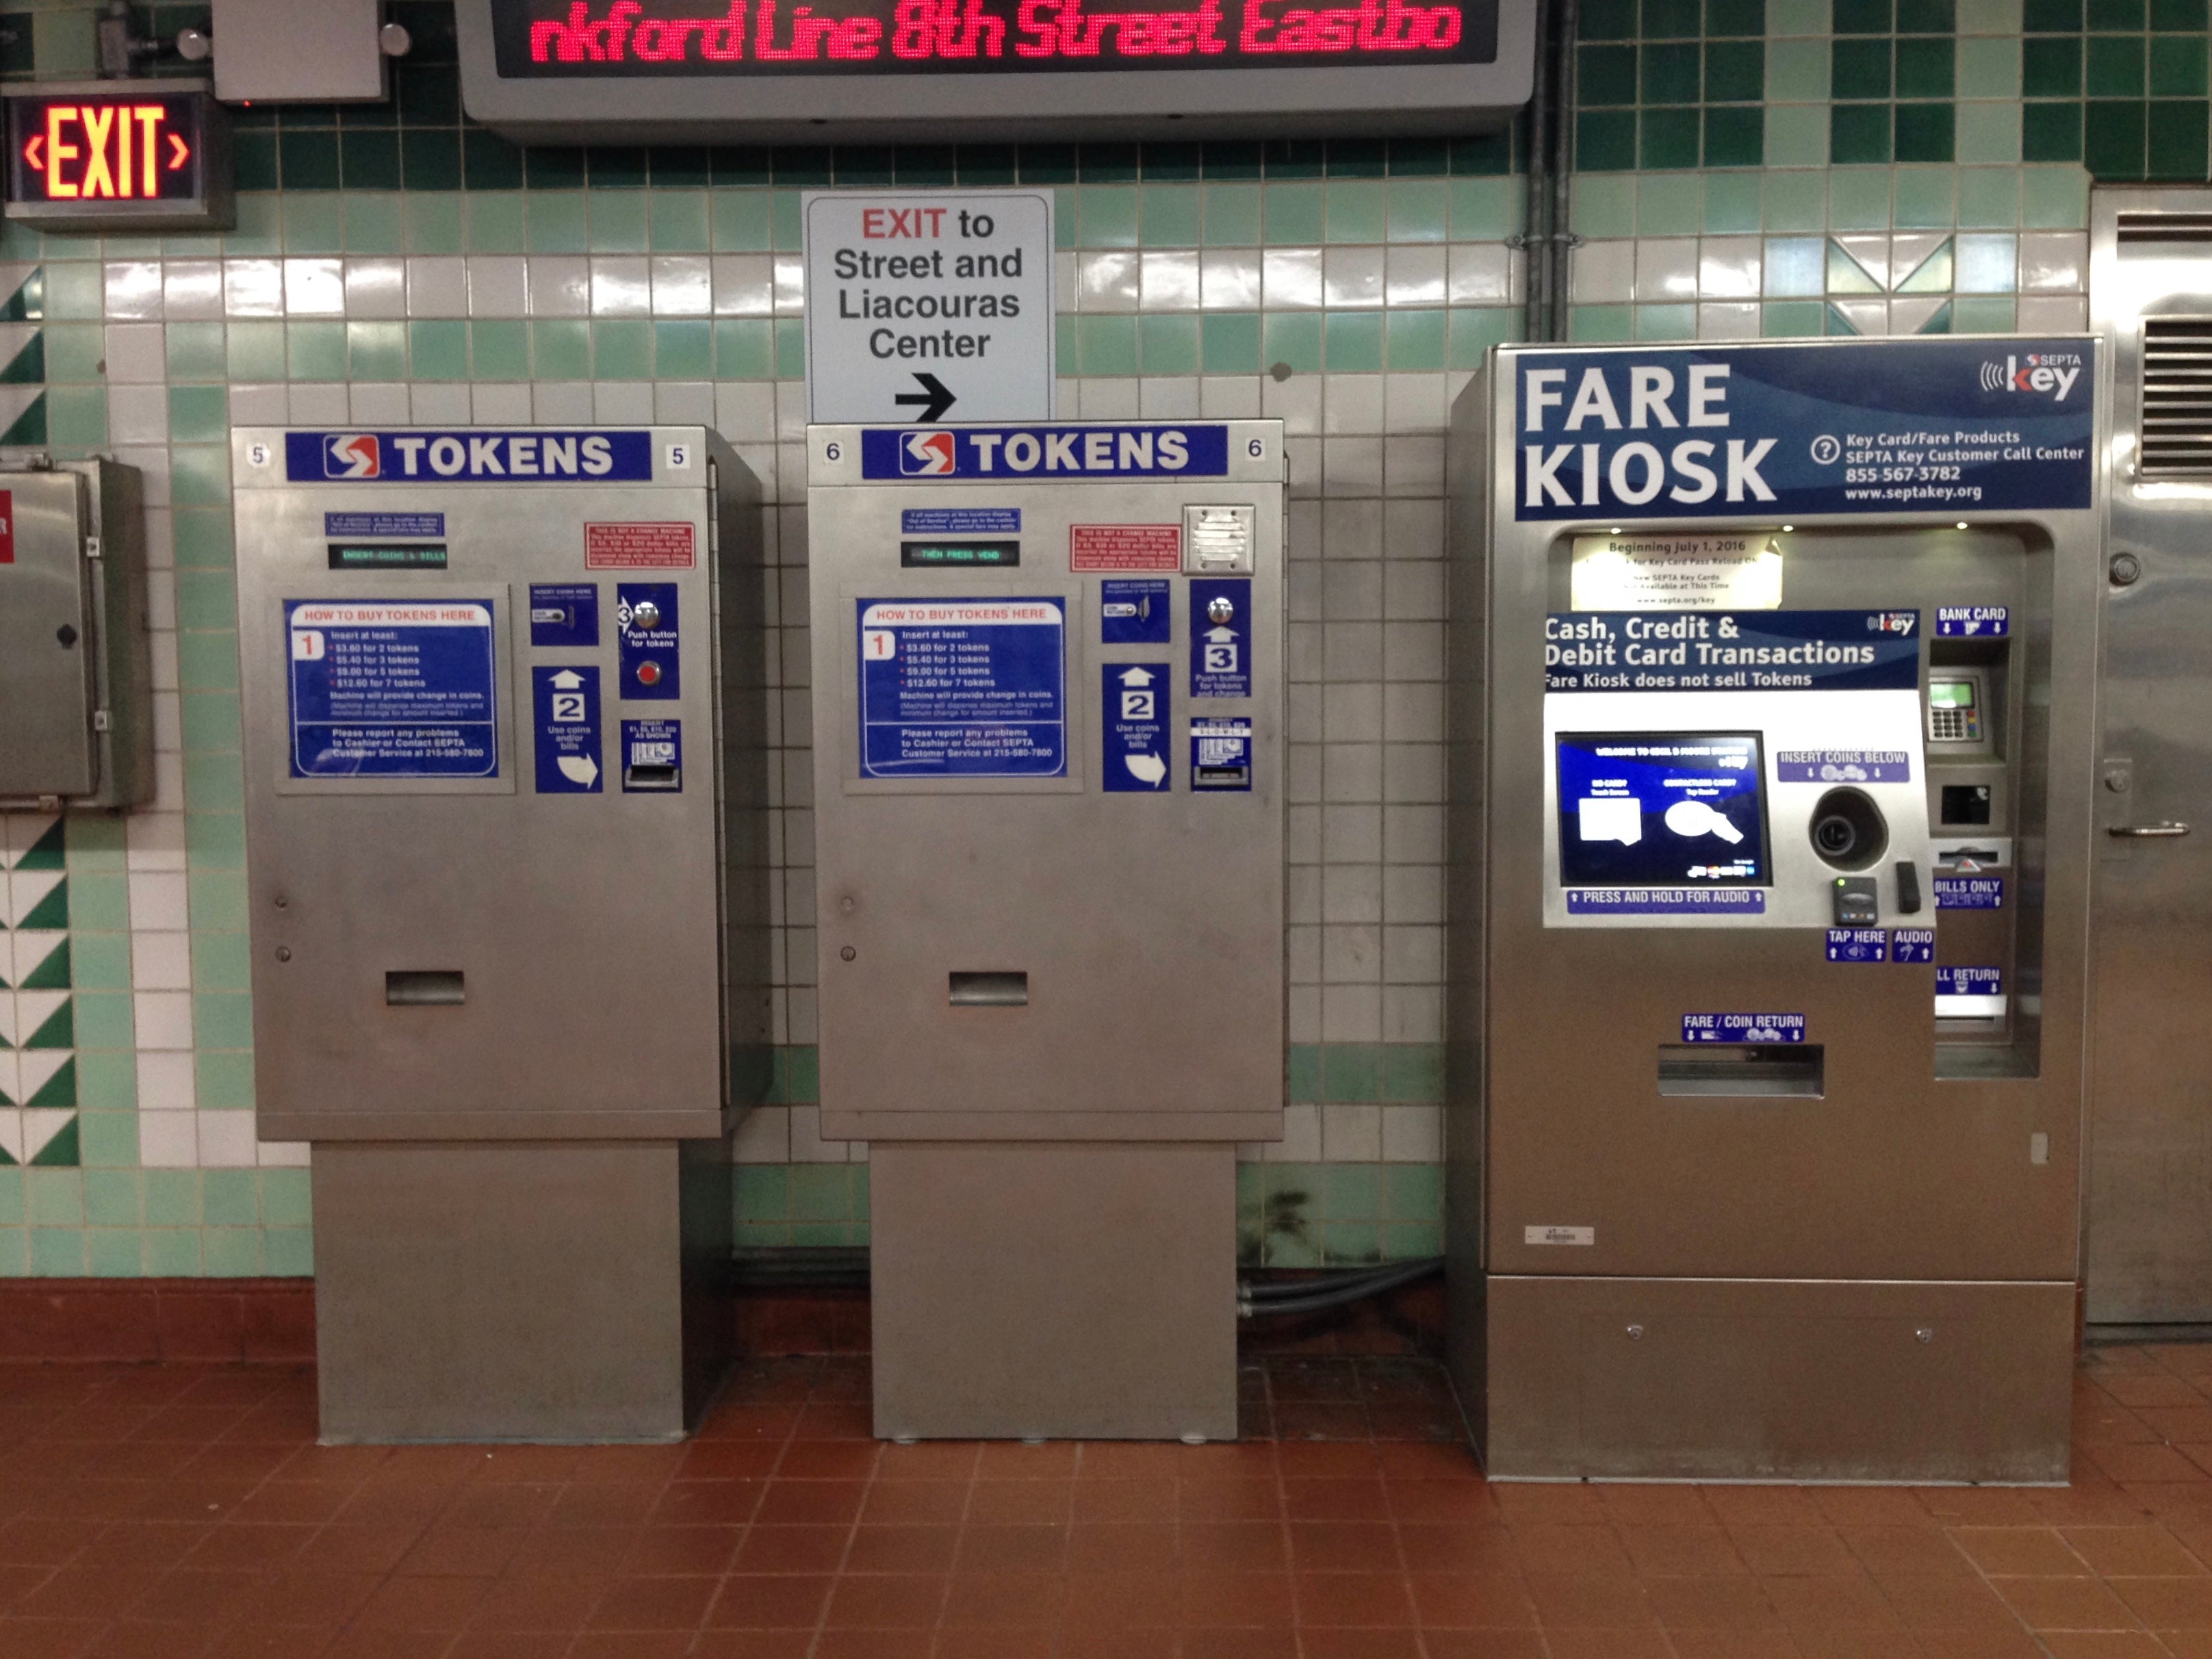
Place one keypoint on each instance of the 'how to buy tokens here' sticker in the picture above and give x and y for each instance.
(391, 690)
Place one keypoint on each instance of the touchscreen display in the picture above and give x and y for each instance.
(1662, 809)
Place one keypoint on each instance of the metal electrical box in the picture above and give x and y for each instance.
(503, 702)
(1771, 728)
(75, 668)
(1050, 818)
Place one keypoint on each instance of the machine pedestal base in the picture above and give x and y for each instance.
(1056, 1291)
(533, 1292)
(1710, 1379)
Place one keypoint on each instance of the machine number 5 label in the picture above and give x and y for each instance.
(679, 457)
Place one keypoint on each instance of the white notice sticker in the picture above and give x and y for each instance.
(1558, 1235)
(1721, 570)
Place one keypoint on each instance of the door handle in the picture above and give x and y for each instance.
(2149, 831)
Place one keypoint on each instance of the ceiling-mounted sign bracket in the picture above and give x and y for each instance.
(674, 71)
(92, 157)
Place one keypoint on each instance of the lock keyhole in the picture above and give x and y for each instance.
(66, 634)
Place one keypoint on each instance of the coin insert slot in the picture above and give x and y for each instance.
(993, 990)
(425, 987)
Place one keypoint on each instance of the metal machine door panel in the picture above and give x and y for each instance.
(2149, 1253)
(45, 653)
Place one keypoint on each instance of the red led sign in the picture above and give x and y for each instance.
(76, 154)
(590, 39)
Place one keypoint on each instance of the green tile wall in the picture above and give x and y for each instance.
(1745, 167)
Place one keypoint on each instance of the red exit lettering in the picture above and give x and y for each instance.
(104, 152)
(889, 224)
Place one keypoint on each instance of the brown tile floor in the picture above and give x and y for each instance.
(169, 1512)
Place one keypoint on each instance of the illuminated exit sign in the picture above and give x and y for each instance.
(98, 157)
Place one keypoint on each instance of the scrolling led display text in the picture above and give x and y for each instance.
(588, 39)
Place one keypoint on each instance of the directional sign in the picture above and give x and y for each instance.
(83, 157)
(929, 306)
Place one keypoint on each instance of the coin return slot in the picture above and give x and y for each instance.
(990, 990)
(1793, 1070)
(420, 987)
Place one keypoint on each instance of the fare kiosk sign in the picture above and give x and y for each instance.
(90, 158)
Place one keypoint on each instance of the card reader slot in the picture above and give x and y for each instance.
(424, 987)
(995, 990)
(1789, 1069)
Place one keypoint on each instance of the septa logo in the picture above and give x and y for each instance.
(351, 455)
(1894, 621)
(2054, 372)
(924, 454)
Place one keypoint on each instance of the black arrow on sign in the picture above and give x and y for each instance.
(934, 394)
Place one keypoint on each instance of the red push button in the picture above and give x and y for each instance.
(648, 673)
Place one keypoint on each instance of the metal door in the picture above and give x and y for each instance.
(45, 659)
(2149, 1235)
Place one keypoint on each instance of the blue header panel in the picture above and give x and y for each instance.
(470, 457)
(1877, 426)
(1020, 452)
(1732, 651)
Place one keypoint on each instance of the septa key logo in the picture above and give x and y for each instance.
(926, 453)
(2054, 372)
(352, 455)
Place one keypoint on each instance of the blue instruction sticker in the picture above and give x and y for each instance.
(1969, 892)
(1221, 638)
(564, 613)
(1221, 754)
(652, 756)
(960, 521)
(1857, 945)
(1666, 901)
(384, 524)
(392, 690)
(1135, 613)
(1842, 766)
(567, 704)
(1743, 1028)
(1987, 621)
(1912, 945)
(647, 641)
(1132, 701)
(963, 688)
(1970, 993)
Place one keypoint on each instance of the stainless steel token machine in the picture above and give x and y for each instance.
(1773, 750)
(1048, 824)
(503, 698)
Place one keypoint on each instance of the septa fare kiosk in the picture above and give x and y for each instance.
(1771, 736)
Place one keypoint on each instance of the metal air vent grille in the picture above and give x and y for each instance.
(2166, 228)
(2175, 439)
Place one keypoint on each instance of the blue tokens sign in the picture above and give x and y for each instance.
(1221, 638)
(396, 689)
(566, 705)
(1772, 431)
(1132, 701)
(963, 688)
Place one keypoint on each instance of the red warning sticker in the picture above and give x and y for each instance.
(637, 547)
(6, 527)
(1125, 547)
